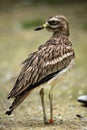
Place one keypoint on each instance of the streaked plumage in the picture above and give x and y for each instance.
(45, 63)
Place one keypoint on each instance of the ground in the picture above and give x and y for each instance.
(16, 43)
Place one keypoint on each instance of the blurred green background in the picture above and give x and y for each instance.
(18, 18)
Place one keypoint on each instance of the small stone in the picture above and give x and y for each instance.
(82, 99)
(79, 116)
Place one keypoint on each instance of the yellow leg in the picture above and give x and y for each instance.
(43, 105)
(51, 105)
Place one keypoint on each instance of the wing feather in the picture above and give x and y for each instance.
(49, 58)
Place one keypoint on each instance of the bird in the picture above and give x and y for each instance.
(48, 64)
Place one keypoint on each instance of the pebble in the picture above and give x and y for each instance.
(82, 99)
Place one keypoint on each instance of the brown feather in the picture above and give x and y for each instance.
(31, 72)
(43, 64)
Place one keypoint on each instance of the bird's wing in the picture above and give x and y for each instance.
(48, 59)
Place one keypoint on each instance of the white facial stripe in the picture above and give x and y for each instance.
(54, 19)
(54, 26)
(58, 59)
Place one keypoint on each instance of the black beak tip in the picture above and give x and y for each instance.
(35, 29)
(38, 28)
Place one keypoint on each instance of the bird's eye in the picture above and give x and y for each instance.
(53, 22)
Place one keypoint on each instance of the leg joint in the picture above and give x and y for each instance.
(41, 91)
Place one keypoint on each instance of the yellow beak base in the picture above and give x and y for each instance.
(41, 27)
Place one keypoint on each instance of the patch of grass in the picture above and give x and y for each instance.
(32, 23)
(85, 26)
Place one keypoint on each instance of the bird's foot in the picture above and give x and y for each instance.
(51, 121)
(56, 120)
(46, 121)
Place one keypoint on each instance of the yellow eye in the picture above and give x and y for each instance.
(53, 22)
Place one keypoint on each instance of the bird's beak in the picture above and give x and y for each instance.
(41, 27)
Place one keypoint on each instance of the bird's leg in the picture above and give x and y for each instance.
(51, 105)
(43, 105)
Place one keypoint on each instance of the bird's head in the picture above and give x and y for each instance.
(56, 24)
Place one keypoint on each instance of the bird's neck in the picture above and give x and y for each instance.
(60, 33)
(63, 31)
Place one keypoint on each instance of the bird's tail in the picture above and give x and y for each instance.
(18, 99)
